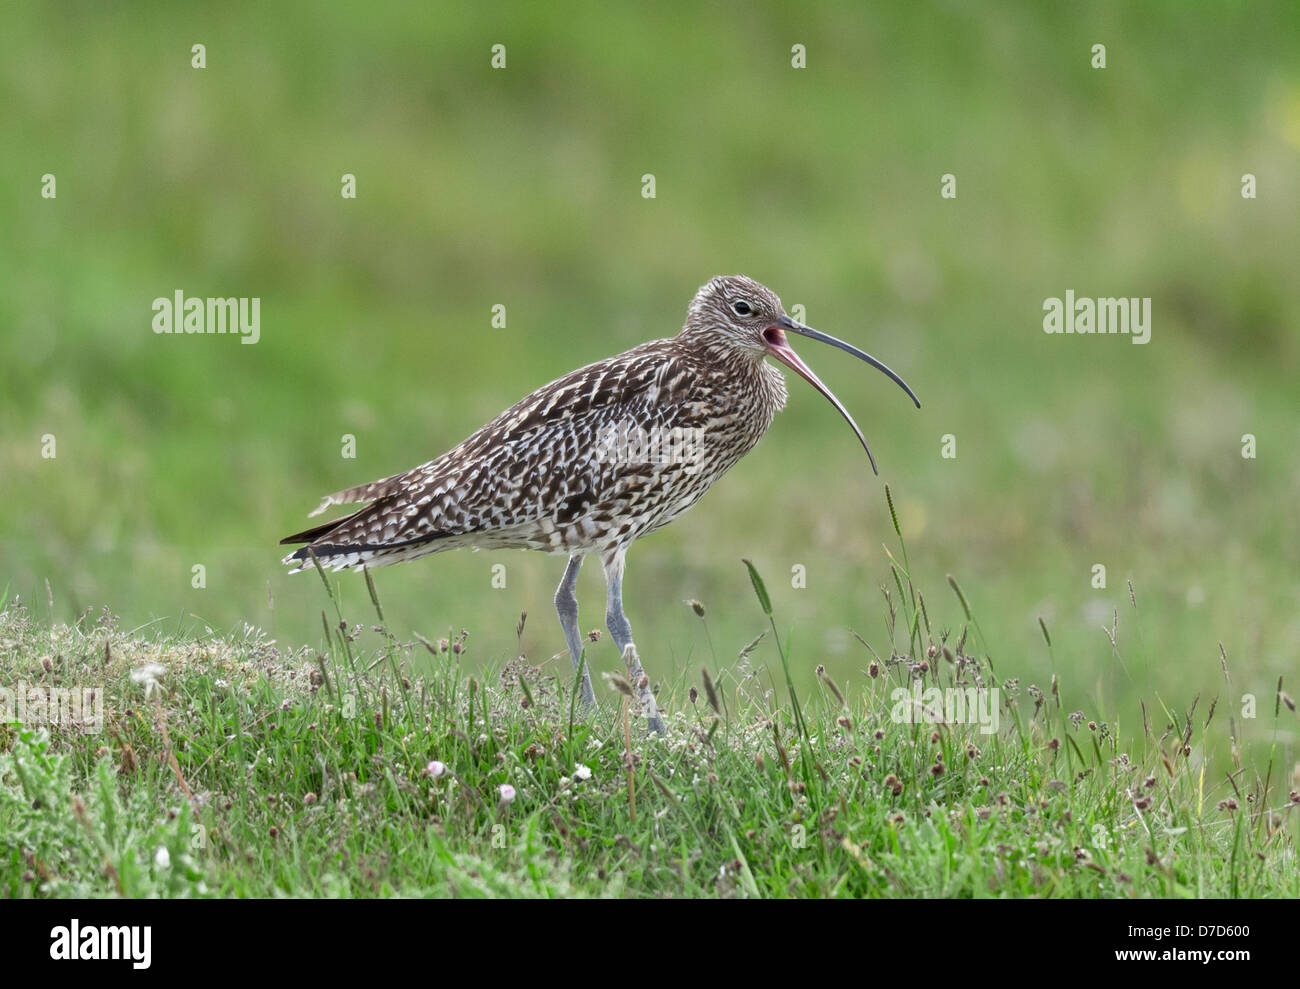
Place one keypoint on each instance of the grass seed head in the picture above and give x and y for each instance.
(619, 684)
(709, 692)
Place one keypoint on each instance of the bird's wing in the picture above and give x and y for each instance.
(362, 492)
(541, 458)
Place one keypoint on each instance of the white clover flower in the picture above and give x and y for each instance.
(507, 793)
(149, 675)
(162, 858)
(435, 769)
(581, 772)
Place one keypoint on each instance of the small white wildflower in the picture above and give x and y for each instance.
(435, 769)
(581, 772)
(162, 858)
(507, 793)
(149, 675)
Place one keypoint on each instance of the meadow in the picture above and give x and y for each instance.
(523, 187)
(381, 768)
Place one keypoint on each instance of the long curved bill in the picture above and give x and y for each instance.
(779, 347)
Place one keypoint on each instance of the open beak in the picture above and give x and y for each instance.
(779, 347)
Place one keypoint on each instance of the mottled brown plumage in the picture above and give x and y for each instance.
(592, 461)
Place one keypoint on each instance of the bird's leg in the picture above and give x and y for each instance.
(621, 631)
(566, 606)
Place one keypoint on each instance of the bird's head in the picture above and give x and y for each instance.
(736, 315)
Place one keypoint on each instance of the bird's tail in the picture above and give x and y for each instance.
(351, 542)
(316, 531)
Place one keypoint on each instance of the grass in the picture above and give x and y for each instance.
(228, 766)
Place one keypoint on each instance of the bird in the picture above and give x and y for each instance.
(593, 461)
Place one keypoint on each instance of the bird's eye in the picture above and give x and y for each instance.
(741, 308)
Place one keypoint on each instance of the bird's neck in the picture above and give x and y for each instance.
(748, 378)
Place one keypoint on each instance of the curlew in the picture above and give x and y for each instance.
(594, 460)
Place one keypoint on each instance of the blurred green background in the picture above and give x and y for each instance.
(522, 187)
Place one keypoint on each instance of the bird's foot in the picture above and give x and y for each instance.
(641, 684)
